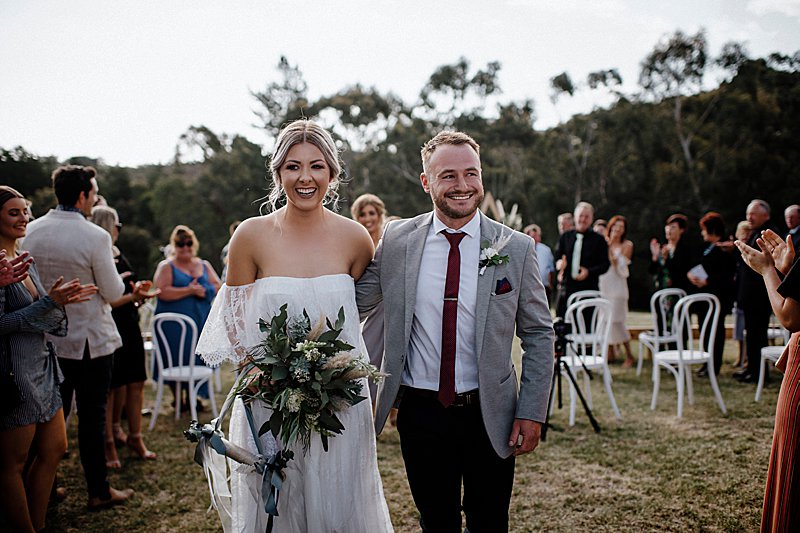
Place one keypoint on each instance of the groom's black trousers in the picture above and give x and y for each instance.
(443, 447)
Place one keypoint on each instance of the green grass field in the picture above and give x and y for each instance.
(649, 471)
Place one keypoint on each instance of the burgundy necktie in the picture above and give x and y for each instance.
(447, 369)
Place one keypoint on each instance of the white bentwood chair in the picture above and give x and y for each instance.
(662, 304)
(587, 348)
(582, 295)
(690, 350)
(770, 353)
(179, 367)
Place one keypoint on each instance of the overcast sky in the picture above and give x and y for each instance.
(123, 80)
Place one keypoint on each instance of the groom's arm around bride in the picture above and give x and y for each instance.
(449, 326)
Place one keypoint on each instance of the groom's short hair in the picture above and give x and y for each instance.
(446, 137)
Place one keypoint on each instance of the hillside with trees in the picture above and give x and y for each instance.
(680, 143)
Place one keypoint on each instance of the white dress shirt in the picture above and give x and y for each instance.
(425, 345)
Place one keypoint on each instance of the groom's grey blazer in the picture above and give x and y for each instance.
(393, 274)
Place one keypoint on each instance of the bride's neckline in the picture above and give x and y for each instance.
(301, 279)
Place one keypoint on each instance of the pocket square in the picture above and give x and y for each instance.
(503, 287)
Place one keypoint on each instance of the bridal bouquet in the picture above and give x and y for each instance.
(305, 374)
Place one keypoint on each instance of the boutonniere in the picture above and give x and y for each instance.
(490, 253)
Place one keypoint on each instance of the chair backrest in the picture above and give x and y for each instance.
(706, 307)
(187, 341)
(582, 295)
(591, 326)
(662, 306)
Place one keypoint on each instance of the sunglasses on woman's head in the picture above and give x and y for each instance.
(181, 244)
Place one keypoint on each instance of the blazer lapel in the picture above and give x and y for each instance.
(415, 243)
(488, 234)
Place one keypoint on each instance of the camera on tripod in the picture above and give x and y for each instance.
(561, 329)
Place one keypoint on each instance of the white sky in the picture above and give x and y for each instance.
(123, 80)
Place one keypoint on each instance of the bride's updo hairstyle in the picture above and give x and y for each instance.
(298, 132)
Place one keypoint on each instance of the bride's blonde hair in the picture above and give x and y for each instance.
(298, 132)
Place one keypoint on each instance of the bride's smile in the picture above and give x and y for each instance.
(305, 175)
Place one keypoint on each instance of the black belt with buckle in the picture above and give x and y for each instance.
(464, 399)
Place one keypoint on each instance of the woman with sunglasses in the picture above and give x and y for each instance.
(188, 285)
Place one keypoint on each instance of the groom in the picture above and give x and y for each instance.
(449, 329)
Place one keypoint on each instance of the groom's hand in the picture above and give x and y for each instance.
(529, 431)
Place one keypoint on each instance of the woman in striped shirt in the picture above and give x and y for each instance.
(31, 418)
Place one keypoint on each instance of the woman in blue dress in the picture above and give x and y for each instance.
(188, 285)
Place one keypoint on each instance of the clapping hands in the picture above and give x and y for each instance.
(775, 253)
(143, 290)
(782, 252)
(14, 270)
(71, 292)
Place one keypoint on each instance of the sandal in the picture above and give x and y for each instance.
(112, 461)
(120, 438)
(136, 445)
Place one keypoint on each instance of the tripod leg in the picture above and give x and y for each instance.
(550, 404)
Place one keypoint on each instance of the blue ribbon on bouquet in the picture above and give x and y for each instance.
(271, 472)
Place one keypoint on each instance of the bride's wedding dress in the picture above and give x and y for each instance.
(335, 491)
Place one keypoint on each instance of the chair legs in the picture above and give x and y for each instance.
(761, 373)
(641, 358)
(683, 380)
(607, 383)
(687, 372)
(656, 384)
(713, 379)
(159, 396)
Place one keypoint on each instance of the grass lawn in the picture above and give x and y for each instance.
(649, 471)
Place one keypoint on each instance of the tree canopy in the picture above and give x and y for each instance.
(676, 144)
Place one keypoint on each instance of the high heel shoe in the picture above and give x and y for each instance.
(136, 445)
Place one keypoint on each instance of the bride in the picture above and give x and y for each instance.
(307, 257)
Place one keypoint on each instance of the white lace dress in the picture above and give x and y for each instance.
(335, 491)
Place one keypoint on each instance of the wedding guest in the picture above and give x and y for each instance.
(743, 231)
(370, 211)
(753, 297)
(671, 261)
(65, 244)
(614, 286)
(544, 256)
(31, 419)
(792, 217)
(600, 226)
(188, 285)
(583, 255)
(565, 222)
(715, 277)
(775, 258)
(128, 373)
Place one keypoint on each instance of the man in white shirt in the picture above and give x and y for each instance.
(64, 243)
(455, 284)
(544, 255)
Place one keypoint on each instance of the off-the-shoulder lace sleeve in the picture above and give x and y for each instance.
(226, 334)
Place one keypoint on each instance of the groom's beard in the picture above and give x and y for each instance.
(456, 213)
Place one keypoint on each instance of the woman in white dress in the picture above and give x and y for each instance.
(614, 286)
(308, 257)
